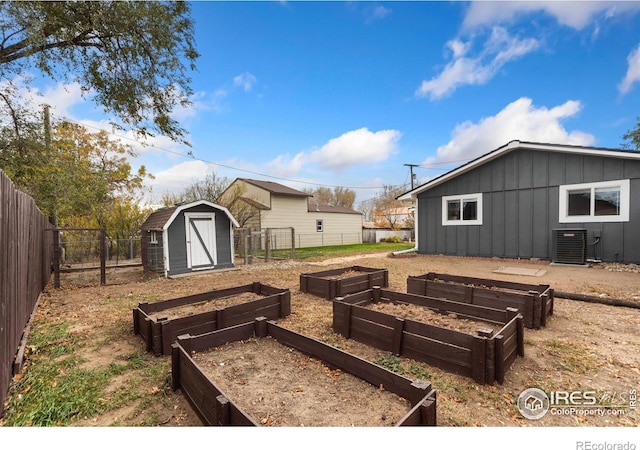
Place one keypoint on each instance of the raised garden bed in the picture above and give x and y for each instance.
(534, 301)
(214, 407)
(334, 283)
(162, 322)
(485, 356)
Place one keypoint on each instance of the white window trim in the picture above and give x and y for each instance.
(445, 199)
(153, 237)
(624, 186)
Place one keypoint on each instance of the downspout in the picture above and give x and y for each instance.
(415, 230)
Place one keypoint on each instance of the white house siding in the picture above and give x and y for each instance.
(255, 193)
(337, 229)
(287, 211)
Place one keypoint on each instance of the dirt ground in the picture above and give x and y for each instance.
(584, 347)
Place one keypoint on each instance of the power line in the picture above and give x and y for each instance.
(190, 154)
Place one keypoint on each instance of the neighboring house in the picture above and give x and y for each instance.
(188, 238)
(279, 206)
(532, 200)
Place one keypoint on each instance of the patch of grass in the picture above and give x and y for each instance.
(337, 251)
(570, 357)
(55, 390)
(390, 362)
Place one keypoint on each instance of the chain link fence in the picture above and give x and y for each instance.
(281, 243)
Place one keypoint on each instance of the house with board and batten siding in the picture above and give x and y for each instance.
(279, 206)
(563, 203)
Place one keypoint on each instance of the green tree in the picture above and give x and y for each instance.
(632, 138)
(208, 189)
(133, 57)
(81, 174)
(386, 207)
(339, 196)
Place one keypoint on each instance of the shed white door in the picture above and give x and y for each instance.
(201, 240)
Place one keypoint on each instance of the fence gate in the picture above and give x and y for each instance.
(77, 249)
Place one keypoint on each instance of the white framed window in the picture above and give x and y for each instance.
(153, 237)
(462, 209)
(604, 201)
(319, 225)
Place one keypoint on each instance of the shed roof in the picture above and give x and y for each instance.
(518, 145)
(162, 218)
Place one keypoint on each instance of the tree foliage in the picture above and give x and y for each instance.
(632, 138)
(210, 189)
(339, 196)
(77, 174)
(386, 208)
(133, 57)
(218, 190)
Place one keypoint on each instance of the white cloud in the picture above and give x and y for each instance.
(499, 49)
(245, 80)
(176, 178)
(356, 148)
(576, 15)
(633, 72)
(518, 120)
(284, 166)
(376, 12)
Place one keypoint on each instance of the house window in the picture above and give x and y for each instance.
(606, 201)
(462, 209)
(319, 226)
(153, 237)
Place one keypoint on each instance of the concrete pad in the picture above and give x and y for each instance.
(521, 271)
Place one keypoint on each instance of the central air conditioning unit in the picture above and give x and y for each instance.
(570, 246)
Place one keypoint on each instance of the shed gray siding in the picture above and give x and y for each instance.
(520, 207)
(178, 242)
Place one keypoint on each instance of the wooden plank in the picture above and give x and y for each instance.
(444, 356)
(372, 373)
(221, 337)
(438, 333)
(466, 310)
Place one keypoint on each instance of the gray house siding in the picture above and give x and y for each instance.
(520, 204)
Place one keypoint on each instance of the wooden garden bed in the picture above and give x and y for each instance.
(162, 322)
(485, 356)
(214, 406)
(534, 301)
(334, 283)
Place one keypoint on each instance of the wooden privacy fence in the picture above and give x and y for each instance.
(160, 332)
(214, 407)
(534, 301)
(334, 283)
(26, 254)
(485, 357)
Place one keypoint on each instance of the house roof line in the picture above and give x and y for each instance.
(515, 145)
(276, 188)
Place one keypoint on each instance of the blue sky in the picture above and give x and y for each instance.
(313, 94)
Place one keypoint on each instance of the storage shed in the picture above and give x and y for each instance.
(564, 203)
(187, 238)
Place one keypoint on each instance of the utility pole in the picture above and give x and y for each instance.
(411, 166)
